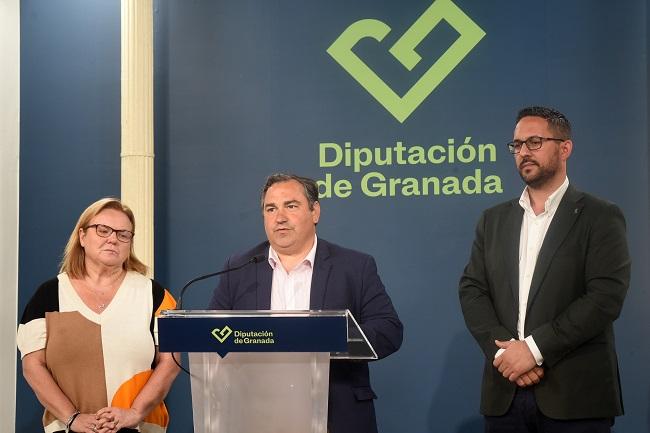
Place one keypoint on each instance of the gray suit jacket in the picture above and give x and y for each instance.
(579, 283)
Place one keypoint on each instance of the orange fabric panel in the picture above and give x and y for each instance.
(128, 391)
(168, 303)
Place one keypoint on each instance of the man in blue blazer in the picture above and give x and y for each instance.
(306, 272)
(546, 279)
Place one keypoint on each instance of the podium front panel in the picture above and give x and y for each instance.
(260, 392)
(262, 371)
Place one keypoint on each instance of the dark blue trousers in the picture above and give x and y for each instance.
(525, 417)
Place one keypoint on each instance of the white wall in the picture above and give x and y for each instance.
(9, 153)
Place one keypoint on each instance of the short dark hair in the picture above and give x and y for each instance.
(557, 122)
(309, 185)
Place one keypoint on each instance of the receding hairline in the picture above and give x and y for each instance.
(309, 187)
(557, 122)
(298, 184)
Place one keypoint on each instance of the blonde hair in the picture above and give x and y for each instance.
(74, 263)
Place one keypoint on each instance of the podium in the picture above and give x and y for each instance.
(261, 371)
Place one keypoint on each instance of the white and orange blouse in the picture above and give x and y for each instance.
(97, 360)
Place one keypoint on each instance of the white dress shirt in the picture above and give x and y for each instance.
(531, 238)
(291, 290)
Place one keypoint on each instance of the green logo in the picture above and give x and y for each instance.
(222, 334)
(404, 51)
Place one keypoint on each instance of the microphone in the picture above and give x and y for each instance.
(255, 259)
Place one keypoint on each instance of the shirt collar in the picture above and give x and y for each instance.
(551, 203)
(274, 259)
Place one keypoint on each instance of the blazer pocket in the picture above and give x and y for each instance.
(362, 393)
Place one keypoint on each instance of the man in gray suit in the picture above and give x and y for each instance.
(546, 279)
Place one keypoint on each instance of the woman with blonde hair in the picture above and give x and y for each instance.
(88, 338)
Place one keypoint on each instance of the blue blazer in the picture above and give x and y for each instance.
(342, 279)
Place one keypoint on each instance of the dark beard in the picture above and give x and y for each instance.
(544, 174)
(540, 178)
